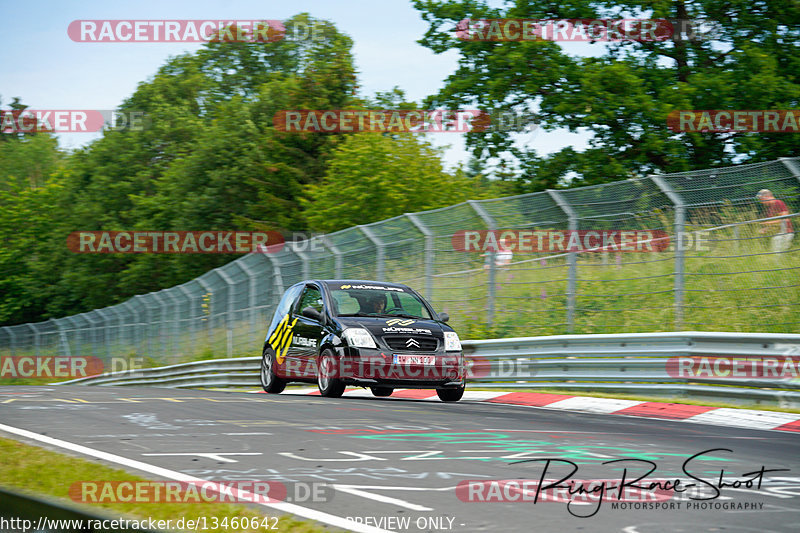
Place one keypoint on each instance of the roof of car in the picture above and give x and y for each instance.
(359, 282)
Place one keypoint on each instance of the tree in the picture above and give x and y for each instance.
(372, 176)
(623, 96)
(208, 158)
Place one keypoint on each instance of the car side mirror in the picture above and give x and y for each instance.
(313, 314)
(444, 317)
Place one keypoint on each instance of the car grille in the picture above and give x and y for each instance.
(405, 343)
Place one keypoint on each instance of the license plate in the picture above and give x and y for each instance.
(414, 359)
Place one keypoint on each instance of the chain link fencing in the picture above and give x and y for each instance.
(713, 268)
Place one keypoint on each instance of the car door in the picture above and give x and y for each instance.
(307, 333)
(281, 326)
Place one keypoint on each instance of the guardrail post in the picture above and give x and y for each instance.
(572, 257)
(379, 267)
(492, 226)
(680, 222)
(429, 251)
(789, 163)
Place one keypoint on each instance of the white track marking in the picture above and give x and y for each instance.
(289, 508)
(745, 418)
(214, 456)
(380, 498)
(592, 405)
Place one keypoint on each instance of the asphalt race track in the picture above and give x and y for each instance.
(394, 464)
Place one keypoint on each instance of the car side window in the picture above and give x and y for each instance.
(312, 297)
(285, 305)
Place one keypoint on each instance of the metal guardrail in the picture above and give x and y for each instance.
(25, 512)
(634, 363)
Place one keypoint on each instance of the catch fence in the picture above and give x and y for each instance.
(710, 267)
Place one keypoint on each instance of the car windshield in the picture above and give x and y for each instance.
(376, 300)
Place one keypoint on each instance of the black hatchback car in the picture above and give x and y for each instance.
(363, 333)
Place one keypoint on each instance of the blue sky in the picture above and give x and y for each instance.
(47, 70)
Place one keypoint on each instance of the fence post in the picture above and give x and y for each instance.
(491, 225)
(35, 338)
(251, 294)
(337, 256)
(102, 313)
(572, 257)
(12, 340)
(429, 251)
(135, 317)
(229, 313)
(276, 272)
(790, 163)
(172, 321)
(680, 222)
(208, 290)
(147, 323)
(303, 257)
(379, 267)
(160, 325)
(192, 321)
(62, 335)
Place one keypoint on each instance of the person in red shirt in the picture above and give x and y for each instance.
(775, 208)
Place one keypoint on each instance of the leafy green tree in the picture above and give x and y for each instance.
(623, 96)
(208, 158)
(372, 177)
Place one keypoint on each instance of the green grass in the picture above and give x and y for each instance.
(755, 293)
(39, 472)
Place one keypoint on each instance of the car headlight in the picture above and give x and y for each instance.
(358, 338)
(451, 342)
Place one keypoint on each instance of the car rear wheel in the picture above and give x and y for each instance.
(330, 386)
(270, 382)
(381, 391)
(450, 395)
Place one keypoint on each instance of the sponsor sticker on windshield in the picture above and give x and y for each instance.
(375, 287)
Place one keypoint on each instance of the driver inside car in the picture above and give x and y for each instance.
(375, 305)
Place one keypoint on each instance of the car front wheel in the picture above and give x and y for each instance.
(270, 382)
(330, 385)
(450, 395)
